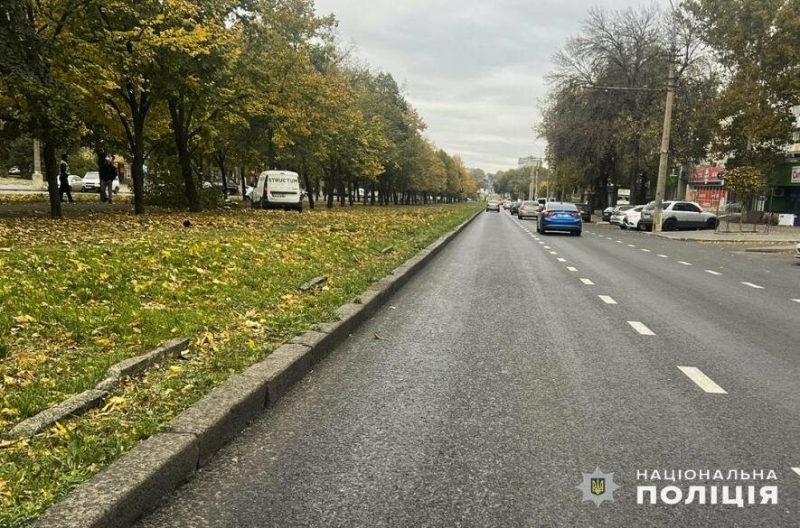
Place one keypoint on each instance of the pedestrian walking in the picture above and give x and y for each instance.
(63, 179)
(108, 173)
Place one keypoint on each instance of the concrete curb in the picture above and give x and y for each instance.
(771, 249)
(89, 399)
(134, 484)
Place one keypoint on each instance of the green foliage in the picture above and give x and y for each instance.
(745, 181)
(168, 189)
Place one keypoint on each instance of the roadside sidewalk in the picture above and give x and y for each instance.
(776, 235)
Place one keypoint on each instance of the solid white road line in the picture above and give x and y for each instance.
(646, 250)
(607, 299)
(713, 272)
(587, 282)
(562, 260)
(662, 256)
(641, 328)
(684, 263)
(571, 268)
(756, 286)
(702, 381)
(796, 470)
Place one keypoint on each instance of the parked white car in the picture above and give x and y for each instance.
(91, 183)
(75, 183)
(797, 251)
(631, 218)
(619, 213)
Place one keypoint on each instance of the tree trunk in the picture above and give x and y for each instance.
(309, 189)
(182, 146)
(219, 157)
(51, 171)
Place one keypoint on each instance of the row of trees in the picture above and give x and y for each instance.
(190, 87)
(736, 79)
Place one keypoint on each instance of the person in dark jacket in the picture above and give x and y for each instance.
(108, 172)
(63, 179)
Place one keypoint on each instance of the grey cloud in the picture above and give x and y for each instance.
(474, 69)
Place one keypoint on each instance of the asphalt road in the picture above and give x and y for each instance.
(503, 376)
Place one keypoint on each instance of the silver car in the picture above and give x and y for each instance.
(493, 205)
(528, 209)
(679, 215)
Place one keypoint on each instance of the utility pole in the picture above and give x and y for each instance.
(662, 164)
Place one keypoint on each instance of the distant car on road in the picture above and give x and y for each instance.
(586, 214)
(514, 207)
(679, 215)
(493, 205)
(607, 212)
(14, 171)
(559, 216)
(528, 209)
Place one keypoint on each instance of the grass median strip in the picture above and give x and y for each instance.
(82, 294)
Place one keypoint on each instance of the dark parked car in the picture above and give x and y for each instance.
(514, 208)
(559, 216)
(586, 214)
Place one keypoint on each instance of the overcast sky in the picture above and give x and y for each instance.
(473, 69)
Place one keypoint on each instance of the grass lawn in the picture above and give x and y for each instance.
(81, 294)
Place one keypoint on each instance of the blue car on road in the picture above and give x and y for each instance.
(560, 216)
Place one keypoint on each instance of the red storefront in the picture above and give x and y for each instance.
(705, 187)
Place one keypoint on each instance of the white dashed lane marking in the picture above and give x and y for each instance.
(796, 470)
(641, 328)
(796, 300)
(756, 286)
(702, 381)
(713, 272)
(662, 256)
(619, 241)
(631, 245)
(553, 253)
(684, 263)
(562, 260)
(587, 282)
(646, 250)
(607, 299)
(571, 268)
(547, 247)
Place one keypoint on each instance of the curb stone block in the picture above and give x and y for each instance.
(76, 405)
(135, 365)
(128, 488)
(351, 316)
(319, 343)
(282, 368)
(221, 414)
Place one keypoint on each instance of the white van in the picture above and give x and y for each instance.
(277, 190)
